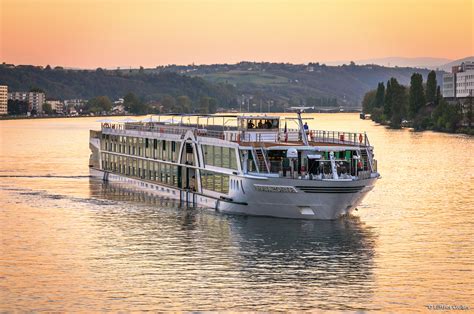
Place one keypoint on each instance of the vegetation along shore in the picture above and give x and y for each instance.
(420, 106)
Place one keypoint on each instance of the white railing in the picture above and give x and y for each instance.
(234, 135)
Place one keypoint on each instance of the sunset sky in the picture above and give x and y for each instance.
(92, 33)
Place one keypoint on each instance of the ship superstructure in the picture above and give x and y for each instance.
(243, 164)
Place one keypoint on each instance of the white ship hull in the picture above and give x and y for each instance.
(252, 168)
(283, 198)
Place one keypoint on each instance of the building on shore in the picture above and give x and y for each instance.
(57, 106)
(72, 106)
(459, 84)
(3, 99)
(449, 85)
(35, 100)
(458, 87)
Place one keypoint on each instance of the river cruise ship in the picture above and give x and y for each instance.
(241, 164)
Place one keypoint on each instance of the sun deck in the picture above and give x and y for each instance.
(263, 143)
(248, 137)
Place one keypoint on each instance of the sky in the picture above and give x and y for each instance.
(132, 33)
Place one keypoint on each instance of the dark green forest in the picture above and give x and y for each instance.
(281, 84)
(59, 83)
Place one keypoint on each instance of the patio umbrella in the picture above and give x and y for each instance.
(105, 121)
(148, 119)
(170, 121)
(126, 120)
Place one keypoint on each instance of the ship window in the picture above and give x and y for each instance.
(215, 181)
(218, 156)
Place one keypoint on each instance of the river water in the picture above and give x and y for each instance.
(72, 243)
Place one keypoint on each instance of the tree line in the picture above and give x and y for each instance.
(167, 104)
(419, 105)
(59, 83)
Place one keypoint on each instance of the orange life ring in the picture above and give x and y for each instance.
(360, 138)
(341, 137)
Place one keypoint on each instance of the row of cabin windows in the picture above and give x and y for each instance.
(138, 146)
(214, 181)
(218, 156)
(142, 169)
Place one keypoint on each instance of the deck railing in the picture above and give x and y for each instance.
(234, 135)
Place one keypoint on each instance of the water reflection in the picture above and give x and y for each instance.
(302, 264)
(71, 243)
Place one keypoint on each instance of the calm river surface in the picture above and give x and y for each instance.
(69, 242)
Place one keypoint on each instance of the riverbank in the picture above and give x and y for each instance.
(141, 115)
(462, 130)
(58, 117)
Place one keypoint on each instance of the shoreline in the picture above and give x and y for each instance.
(411, 129)
(140, 115)
(58, 117)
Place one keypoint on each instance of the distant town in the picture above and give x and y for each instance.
(34, 103)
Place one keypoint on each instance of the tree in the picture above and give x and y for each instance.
(17, 107)
(368, 101)
(438, 95)
(417, 97)
(399, 103)
(134, 105)
(47, 108)
(99, 104)
(431, 85)
(380, 96)
(204, 105)
(212, 105)
(447, 117)
(387, 107)
(169, 103)
(394, 105)
(183, 104)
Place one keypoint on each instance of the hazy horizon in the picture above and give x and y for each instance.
(377, 61)
(122, 33)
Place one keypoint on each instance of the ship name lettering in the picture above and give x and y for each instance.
(275, 188)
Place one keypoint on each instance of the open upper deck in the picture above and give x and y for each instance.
(250, 130)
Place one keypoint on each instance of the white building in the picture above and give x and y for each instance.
(74, 103)
(35, 100)
(460, 83)
(56, 105)
(3, 99)
(465, 84)
(449, 83)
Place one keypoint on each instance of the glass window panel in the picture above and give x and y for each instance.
(217, 156)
